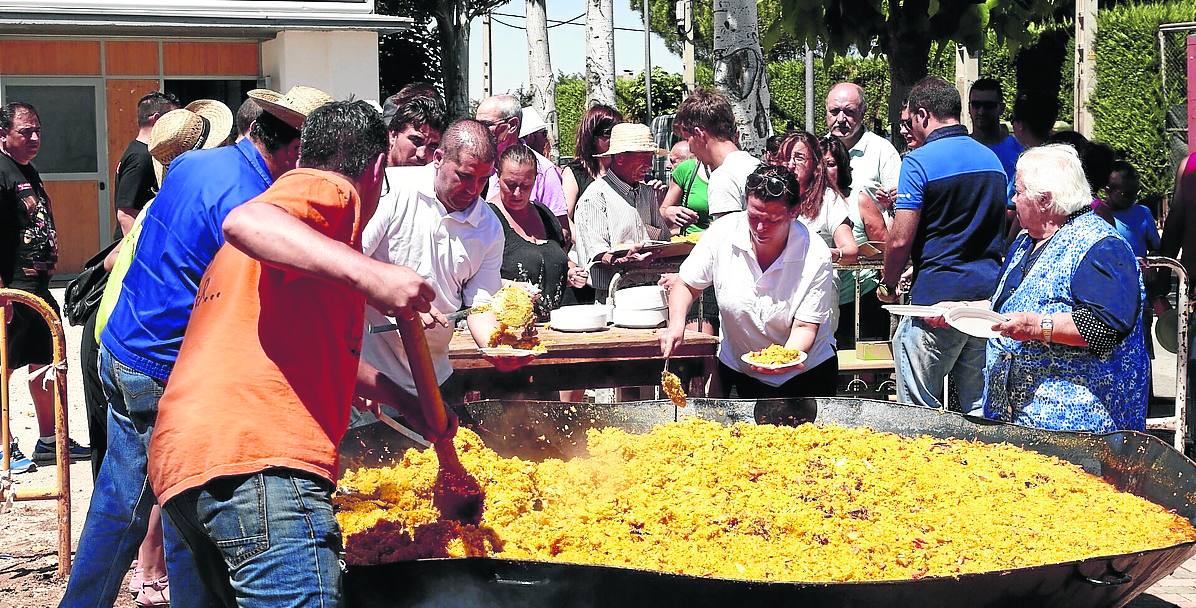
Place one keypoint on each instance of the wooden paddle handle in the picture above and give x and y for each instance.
(427, 389)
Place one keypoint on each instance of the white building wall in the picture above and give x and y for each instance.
(340, 63)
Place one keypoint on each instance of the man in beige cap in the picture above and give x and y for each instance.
(179, 237)
(620, 209)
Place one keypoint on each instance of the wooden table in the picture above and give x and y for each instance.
(614, 357)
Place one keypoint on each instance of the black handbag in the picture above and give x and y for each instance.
(83, 293)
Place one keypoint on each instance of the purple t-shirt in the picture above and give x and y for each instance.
(548, 190)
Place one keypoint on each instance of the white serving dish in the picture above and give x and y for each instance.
(975, 322)
(641, 319)
(747, 358)
(583, 317)
(645, 297)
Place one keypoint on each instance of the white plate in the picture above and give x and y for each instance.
(509, 352)
(585, 317)
(746, 358)
(909, 310)
(976, 322)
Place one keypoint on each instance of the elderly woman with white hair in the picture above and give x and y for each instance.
(1071, 355)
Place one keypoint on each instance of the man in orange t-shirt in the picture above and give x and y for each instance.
(243, 457)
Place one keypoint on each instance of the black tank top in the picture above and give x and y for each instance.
(545, 265)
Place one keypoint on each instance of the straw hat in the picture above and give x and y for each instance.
(632, 137)
(202, 125)
(293, 107)
(532, 122)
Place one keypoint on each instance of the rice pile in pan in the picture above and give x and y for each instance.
(761, 502)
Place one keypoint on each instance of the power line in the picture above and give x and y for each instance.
(555, 22)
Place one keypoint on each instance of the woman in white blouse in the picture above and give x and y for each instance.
(773, 283)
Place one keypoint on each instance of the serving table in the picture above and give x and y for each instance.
(613, 357)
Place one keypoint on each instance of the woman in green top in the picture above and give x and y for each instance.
(685, 208)
(685, 203)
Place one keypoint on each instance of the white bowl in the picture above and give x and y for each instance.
(584, 317)
(645, 297)
(641, 319)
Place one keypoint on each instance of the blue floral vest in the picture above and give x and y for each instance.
(1064, 387)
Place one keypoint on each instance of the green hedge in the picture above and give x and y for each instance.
(1127, 105)
(570, 107)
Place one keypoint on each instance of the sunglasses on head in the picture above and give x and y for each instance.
(767, 184)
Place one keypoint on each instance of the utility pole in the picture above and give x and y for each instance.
(647, 61)
(1085, 66)
(685, 27)
(487, 59)
(967, 72)
(809, 90)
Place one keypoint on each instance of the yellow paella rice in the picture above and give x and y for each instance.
(670, 383)
(774, 354)
(805, 503)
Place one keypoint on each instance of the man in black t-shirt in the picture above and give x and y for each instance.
(135, 183)
(28, 253)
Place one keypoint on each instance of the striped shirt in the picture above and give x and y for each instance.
(612, 213)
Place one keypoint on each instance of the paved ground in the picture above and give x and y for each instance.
(27, 533)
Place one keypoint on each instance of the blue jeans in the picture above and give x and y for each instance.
(263, 540)
(122, 498)
(925, 356)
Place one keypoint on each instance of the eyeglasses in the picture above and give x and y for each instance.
(984, 105)
(768, 185)
(385, 184)
(906, 123)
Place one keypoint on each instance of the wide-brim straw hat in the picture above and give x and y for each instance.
(532, 122)
(202, 125)
(293, 106)
(632, 137)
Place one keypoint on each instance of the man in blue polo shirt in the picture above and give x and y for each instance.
(180, 236)
(950, 220)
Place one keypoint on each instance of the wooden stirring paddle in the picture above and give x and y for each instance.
(456, 493)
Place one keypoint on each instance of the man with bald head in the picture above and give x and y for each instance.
(875, 164)
(432, 219)
(503, 116)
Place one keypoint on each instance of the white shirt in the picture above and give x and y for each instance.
(459, 253)
(757, 308)
(725, 190)
(834, 212)
(874, 163)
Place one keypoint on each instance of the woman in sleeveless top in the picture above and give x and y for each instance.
(535, 247)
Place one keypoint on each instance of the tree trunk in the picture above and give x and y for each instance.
(600, 52)
(739, 70)
(452, 27)
(539, 66)
(909, 37)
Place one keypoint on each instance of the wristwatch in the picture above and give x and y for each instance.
(1048, 328)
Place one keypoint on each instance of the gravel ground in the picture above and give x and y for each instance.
(28, 554)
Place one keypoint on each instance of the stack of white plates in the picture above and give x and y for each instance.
(585, 317)
(641, 307)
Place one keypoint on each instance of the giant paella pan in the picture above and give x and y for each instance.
(1132, 462)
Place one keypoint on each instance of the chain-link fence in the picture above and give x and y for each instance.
(1173, 52)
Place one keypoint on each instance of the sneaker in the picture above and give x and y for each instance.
(154, 594)
(43, 452)
(18, 462)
